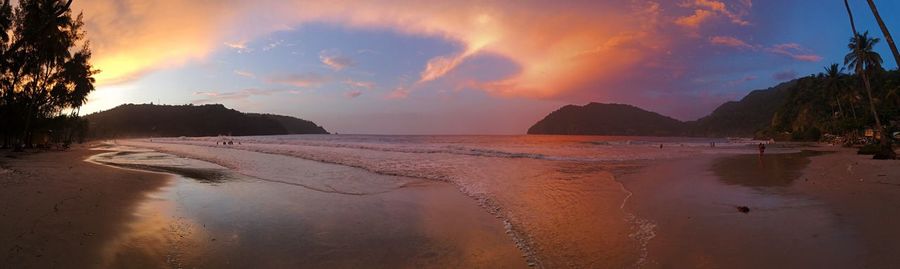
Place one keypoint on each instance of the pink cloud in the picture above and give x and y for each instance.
(398, 93)
(353, 94)
(299, 80)
(730, 41)
(359, 84)
(795, 51)
(213, 96)
(334, 60)
(246, 74)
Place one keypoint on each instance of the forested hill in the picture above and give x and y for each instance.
(148, 120)
(752, 113)
(606, 119)
(801, 109)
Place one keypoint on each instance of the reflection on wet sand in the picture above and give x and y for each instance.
(244, 222)
(695, 204)
(772, 170)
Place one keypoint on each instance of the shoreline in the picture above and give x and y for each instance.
(804, 210)
(441, 198)
(59, 210)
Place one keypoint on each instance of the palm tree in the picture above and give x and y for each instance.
(833, 84)
(884, 30)
(862, 59)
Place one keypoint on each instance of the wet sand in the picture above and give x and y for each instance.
(58, 211)
(805, 212)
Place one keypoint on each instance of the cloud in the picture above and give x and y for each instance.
(795, 51)
(398, 93)
(730, 41)
(705, 10)
(353, 94)
(785, 75)
(246, 74)
(273, 45)
(334, 60)
(301, 80)
(695, 19)
(239, 46)
(792, 50)
(597, 50)
(359, 84)
(213, 96)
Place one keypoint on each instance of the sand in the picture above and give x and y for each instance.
(208, 218)
(58, 211)
(807, 210)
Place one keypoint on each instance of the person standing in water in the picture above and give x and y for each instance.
(762, 149)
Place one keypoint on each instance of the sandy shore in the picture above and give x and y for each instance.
(806, 210)
(69, 213)
(58, 211)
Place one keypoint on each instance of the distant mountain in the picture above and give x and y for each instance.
(606, 119)
(148, 120)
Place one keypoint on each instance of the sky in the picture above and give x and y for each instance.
(460, 67)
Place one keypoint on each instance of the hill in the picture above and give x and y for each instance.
(801, 109)
(752, 113)
(606, 119)
(148, 120)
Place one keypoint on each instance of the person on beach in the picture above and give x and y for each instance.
(762, 149)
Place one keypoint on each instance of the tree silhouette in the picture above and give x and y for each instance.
(833, 84)
(884, 30)
(45, 69)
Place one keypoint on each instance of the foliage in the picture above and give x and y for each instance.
(45, 70)
(148, 120)
(607, 119)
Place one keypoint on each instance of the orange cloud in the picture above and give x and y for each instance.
(704, 10)
(558, 47)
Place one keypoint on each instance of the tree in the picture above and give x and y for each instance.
(45, 67)
(884, 30)
(833, 84)
(863, 59)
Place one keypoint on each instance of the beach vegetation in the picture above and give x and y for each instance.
(45, 72)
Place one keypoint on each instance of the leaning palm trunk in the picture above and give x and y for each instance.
(887, 34)
(865, 79)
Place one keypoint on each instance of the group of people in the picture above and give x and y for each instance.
(229, 142)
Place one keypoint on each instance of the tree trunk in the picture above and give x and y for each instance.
(852, 24)
(879, 130)
(887, 34)
(840, 107)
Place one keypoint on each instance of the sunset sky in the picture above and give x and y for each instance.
(459, 67)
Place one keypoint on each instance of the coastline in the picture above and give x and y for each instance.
(806, 209)
(344, 223)
(59, 211)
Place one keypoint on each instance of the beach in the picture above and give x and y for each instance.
(174, 203)
(59, 211)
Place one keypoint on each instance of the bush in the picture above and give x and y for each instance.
(869, 149)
